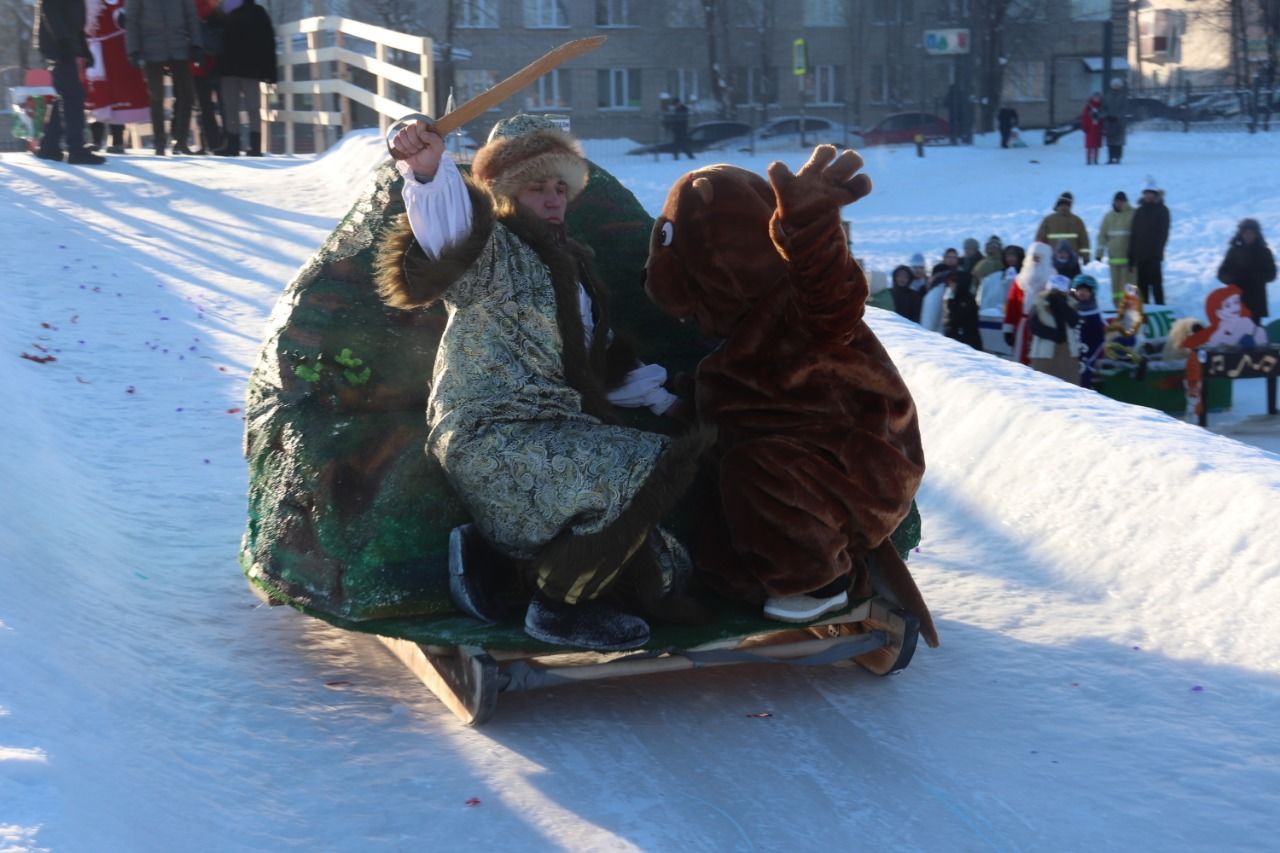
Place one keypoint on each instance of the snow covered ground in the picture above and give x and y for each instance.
(1105, 578)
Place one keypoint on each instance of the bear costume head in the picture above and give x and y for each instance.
(711, 257)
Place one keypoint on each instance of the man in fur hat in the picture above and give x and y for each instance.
(520, 409)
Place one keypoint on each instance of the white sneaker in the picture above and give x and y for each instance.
(802, 608)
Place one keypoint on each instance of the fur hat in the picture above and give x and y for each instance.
(1065, 197)
(917, 260)
(1151, 186)
(528, 148)
(971, 243)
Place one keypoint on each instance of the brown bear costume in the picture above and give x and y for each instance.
(819, 446)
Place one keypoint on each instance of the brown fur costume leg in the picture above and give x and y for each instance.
(784, 506)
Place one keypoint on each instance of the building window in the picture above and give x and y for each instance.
(682, 83)
(683, 14)
(1090, 10)
(891, 11)
(956, 11)
(477, 14)
(1158, 35)
(827, 87)
(754, 86)
(545, 14)
(618, 88)
(613, 13)
(1024, 80)
(471, 82)
(825, 13)
(550, 91)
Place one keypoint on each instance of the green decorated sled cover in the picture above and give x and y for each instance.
(349, 517)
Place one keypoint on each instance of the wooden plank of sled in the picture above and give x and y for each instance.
(466, 680)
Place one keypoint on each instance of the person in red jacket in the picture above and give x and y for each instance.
(1091, 124)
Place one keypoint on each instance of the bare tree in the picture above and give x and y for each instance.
(715, 14)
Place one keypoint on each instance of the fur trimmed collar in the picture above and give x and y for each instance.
(407, 278)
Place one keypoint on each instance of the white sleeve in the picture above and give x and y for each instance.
(440, 210)
(643, 387)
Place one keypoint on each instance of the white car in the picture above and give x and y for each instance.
(783, 134)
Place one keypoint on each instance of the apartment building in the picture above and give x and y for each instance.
(851, 61)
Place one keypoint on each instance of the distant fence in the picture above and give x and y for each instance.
(329, 64)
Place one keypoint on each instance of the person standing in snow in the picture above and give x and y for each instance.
(992, 261)
(59, 26)
(163, 36)
(1055, 345)
(1091, 124)
(1114, 106)
(960, 310)
(1249, 265)
(248, 60)
(1037, 267)
(1062, 224)
(1090, 329)
(907, 292)
(1007, 118)
(1113, 244)
(1148, 233)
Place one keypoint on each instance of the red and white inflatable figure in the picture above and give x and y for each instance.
(115, 91)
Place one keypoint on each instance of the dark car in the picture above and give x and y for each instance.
(700, 137)
(903, 128)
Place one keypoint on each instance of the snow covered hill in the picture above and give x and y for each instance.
(1105, 578)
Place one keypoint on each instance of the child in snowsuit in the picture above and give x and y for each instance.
(1090, 327)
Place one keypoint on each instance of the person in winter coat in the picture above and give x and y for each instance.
(1091, 124)
(1055, 346)
(972, 254)
(520, 408)
(1062, 224)
(960, 310)
(1113, 244)
(991, 262)
(1148, 233)
(1065, 261)
(1090, 329)
(1036, 270)
(1007, 118)
(204, 77)
(1114, 106)
(907, 292)
(248, 59)
(1249, 265)
(164, 35)
(60, 40)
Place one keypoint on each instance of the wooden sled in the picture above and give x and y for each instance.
(875, 633)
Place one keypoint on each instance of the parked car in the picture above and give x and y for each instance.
(1143, 109)
(701, 137)
(903, 128)
(1217, 105)
(783, 134)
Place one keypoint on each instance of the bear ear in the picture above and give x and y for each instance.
(705, 189)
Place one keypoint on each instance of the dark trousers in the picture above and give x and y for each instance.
(209, 132)
(182, 97)
(680, 143)
(66, 119)
(1150, 282)
(1005, 133)
(1114, 153)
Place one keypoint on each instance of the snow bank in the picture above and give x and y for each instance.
(1123, 505)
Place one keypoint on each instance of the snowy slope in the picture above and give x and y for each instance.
(1105, 578)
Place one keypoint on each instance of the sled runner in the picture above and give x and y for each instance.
(349, 518)
(466, 665)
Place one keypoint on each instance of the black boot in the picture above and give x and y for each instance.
(230, 146)
(255, 145)
(479, 576)
(117, 139)
(159, 143)
(588, 625)
(98, 132)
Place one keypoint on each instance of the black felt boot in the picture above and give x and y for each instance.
(159, 143)
(589, 625)
(255, 145)
(480, 577)
(230, 146)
